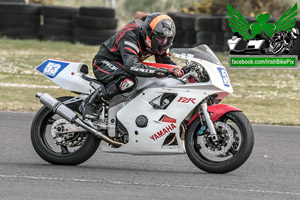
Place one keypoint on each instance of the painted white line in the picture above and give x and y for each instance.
(17, 112)
(21, 85)
(149, 184)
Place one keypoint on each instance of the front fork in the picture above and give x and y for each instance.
(209, 122)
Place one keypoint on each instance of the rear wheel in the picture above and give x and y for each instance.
(70, 148)
(235, 143)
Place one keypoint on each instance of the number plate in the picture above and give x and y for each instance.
(224, 76)
(51, 68)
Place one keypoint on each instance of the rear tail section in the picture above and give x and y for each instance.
(67, 75)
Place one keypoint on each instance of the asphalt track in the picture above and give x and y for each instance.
(272, 171)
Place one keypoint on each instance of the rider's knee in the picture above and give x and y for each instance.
(126, 84)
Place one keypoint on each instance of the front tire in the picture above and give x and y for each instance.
(207, 157)
(43, 142)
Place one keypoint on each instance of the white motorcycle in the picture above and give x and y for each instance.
(161, 116)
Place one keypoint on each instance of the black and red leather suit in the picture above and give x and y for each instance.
(119, 59)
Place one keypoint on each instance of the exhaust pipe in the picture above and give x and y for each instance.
(59, 108)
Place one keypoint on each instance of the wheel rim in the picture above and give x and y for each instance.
(213, 152)
(48, 142)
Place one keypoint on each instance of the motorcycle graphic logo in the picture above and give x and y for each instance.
(186, 100)
(262, 36)
(162, 132)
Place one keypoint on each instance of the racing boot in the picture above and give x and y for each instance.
(110, 91)
(89, 106)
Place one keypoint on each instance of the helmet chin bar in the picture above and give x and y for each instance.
(160, 49)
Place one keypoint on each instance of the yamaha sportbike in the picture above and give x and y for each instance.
(160, 116)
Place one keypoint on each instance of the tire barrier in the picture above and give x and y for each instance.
(12, 1)
(193, 30)
(97, 12)
(59, 12)
(95, 22)
(20, 32)
(88, 25)
(19, 9)
(57, 23)
(94, 25)
(19, 20)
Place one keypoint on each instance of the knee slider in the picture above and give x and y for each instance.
(126, 84)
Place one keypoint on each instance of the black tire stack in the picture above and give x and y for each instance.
(178, 41)
(188, 26)
(193, 30)
(227, 32)
(57, 23)
(19, 20)
(12, 1)
(209, 30)
(94, 25)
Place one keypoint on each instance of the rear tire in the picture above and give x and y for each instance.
(240, 154)
(43, 148)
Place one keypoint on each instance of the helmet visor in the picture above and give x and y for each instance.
(162, 41)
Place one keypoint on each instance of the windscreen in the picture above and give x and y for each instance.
(201, 52)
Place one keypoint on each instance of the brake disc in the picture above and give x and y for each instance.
(221, 147)
(65, 133)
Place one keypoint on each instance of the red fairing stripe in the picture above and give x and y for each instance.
(160, 65)
(217, 110)
(168, 119)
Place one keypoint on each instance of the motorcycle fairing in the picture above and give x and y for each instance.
(67, 75)
(216, 111)
(136, 103)
(141, 139)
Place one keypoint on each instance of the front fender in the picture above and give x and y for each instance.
(216, 111)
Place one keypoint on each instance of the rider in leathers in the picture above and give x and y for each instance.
(119, 58)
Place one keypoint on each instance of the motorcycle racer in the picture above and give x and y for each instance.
(283, 41)
(118, 60)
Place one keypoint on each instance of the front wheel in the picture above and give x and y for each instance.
(235, 144)
(56, 144)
